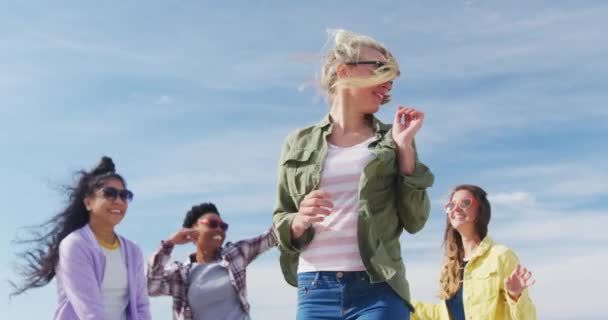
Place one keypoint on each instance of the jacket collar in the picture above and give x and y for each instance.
(379, 128)
(484, 246)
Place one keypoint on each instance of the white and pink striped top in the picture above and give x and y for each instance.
(335, 246)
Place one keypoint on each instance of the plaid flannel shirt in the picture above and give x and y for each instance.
(173, 280)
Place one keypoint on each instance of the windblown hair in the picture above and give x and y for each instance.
(347, 48)
(451, 269)
(39, 259)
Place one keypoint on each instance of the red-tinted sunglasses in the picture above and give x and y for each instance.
(214, 223)
(463, 204)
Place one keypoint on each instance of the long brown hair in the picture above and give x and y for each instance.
(451, 270)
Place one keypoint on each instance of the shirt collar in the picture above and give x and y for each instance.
(484, 246)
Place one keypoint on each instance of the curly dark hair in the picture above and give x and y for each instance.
(38, 261)
(198, 211)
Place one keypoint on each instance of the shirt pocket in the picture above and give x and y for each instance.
(298, 165)
(486, 283)
(383, 169)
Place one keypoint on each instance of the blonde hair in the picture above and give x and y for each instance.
(451, 268)
(347, 48)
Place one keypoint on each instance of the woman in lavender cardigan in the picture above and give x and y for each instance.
(100, 275)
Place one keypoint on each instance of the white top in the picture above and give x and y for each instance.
(114, 289)
(335, 246)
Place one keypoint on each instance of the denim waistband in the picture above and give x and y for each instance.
(336, 275)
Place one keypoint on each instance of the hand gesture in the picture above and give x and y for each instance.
(314, 208)
(185, 235)
(406, 124)
(518, 281)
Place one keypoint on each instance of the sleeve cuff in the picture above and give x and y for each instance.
(166, 246)
(421, 178)
(286, 241)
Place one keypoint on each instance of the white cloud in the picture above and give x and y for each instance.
(164, 100)
(584, 177)
(513, 199)
(549, 226)
(184, 183)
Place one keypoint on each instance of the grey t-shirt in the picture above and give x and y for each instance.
(211, 295)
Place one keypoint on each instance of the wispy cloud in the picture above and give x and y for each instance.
(164, 100)
(513, 93)
(513, 199)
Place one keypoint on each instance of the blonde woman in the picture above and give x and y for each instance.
(480, 279)
(347, 188)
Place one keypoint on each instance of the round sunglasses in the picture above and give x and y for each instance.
(462, 204)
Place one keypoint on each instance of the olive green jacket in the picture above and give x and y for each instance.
(389, 202)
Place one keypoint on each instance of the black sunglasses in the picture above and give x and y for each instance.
(112, 193)
(378, 64)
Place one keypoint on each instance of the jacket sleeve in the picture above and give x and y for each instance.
(142, 299)
(251, 248)
(285, 211)
(163, 280)
(523, 308)
(75, 272)
(413, 203)
(429, 311)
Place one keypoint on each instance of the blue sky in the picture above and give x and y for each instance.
(192, 99)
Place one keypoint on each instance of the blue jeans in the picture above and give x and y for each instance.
(331, 295)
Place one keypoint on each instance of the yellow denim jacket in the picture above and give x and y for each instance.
(484, 295)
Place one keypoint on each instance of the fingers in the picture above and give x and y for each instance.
(516, 271)
(191, 233)
(184, 235)
(399, 115)
(527, 279)
(188, 234)
(314, 211)
(312, 219)
(317, 202)
(406, 114)
(314, 208)
(321, 194)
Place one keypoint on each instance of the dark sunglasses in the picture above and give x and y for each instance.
(215, 223)
(112, 193)
(377, 64)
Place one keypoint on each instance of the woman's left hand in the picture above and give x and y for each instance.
(406, 125)
(518, 281)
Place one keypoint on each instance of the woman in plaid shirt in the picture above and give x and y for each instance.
(214, 276)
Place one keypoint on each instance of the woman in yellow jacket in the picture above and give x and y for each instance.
(479, 278)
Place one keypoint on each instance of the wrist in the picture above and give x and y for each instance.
(513, 296)
(405, 147)
(297, 231)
